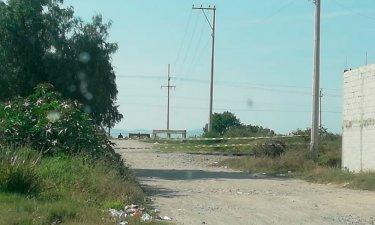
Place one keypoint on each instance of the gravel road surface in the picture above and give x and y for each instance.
(190, 190)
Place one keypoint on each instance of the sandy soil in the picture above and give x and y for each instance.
(190, 190)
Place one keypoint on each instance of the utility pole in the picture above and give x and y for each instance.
(169, 87)
(213, 28)
(315, 109)
(321, 95)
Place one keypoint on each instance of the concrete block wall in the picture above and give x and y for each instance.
(358, 144)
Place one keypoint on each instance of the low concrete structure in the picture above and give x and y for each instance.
(169, 133)
(358, 142)
(139, 136)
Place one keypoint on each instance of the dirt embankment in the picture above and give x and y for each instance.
(190, 190)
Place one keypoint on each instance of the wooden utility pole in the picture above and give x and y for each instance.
(169, 87)
(315, 101)
(213, 28)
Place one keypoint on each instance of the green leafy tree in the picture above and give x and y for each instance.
(41, 41)
(46, 121)
(221, 122)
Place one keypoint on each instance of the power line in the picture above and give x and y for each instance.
(182, 41)
(353, 11)
(196, 50)
(182, 66)
(276, 12)
(223, 82)
(244, 102)
(231, 109)
(269, 88)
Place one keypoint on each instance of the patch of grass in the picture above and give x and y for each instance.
(18, 172)
(203, 146)
(292, 161)
(71, 190)
(296, 162)
(363, 181)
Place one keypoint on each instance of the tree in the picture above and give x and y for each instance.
(41, 41)
(221, 122)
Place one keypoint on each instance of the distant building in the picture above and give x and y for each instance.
(358, 143)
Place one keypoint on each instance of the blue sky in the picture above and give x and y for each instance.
(263, 58)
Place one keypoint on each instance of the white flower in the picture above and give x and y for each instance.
(54, 142)
(48, 131)
(65, 105)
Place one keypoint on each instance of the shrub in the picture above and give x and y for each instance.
(18, 172)
(47, 122)
(271, 148)
(248, 131)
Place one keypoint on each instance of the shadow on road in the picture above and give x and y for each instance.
(162, 192)
(196, 175)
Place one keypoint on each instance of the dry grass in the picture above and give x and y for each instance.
(297, 163)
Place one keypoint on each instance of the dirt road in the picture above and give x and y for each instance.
(190, 190)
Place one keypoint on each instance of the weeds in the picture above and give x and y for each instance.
(18, 172)
(296, 162)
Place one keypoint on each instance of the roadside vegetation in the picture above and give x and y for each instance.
(57, 94)
(296, 162)
(56, 167)
(286, 157)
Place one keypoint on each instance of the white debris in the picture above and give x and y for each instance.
(165, 218)
(146, 217)
(123, 223)
(117, 214)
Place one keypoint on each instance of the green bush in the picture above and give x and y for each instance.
(18, 172)
(49, 123)
(271, 148)
(248, 131)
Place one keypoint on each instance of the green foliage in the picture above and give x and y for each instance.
(47, 122)
(363, 181)
(96, 182)
(290, 161)
(228, 125)
(221, 122)
(271, 148)
(18, 172)
(248, 131)
(71, 190)
(323, 133)
(297, 160)
(43, 42)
